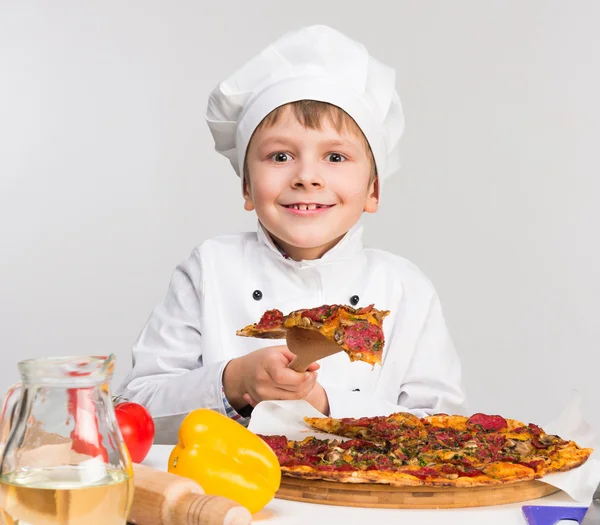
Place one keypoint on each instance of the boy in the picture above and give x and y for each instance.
(311, 125)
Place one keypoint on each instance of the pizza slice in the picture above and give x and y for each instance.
(358, 331)
(401, 426)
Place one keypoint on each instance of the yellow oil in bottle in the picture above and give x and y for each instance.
(66, 495)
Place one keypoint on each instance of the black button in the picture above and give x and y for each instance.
(257, 295)
(354, 300)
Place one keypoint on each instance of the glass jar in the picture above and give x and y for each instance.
(64, 461)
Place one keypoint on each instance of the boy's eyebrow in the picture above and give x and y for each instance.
(336, 143)
(273, 141)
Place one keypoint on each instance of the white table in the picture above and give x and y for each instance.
(281, 512)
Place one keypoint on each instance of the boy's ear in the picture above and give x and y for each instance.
(248, 202)
(372, 204)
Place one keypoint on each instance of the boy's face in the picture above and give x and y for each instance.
(308, 186)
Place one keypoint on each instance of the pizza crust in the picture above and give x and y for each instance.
(396, 479)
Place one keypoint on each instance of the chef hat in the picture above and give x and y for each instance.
(312, 63)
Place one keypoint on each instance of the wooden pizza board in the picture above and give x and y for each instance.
(386, 496)
(308, 346)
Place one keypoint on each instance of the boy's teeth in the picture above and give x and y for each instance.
(305, 207)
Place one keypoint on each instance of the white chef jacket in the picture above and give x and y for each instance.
(179, 358)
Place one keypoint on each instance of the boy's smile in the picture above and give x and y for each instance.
(308, 186)
(307, 208)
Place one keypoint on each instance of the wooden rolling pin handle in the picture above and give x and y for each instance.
(162, 498)
(196, 509)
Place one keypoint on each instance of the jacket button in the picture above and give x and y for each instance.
(354, 300)
(257, 295)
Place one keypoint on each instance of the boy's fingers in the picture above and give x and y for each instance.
(287, 354)
(284, 355)
(286, 377)
(285, 392)
(248, 399)
(292, 389)
(313, 366)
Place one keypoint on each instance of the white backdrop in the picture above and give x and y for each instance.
(108, 176)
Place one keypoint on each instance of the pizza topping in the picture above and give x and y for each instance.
(344, 467)
(321, 313)
(449, 439)
(333, 456)
(363, 336)
(313, 445)
(337, 466)
(463, 461)
(541, 442)
(270, 319)
(423, 473)
(326, 467)
(369, 457)
(361, 422)
(382, 462)
(471, 446)
(495, 441)
(275, 442)
(520, 448)
(364, 309)
(385, 429)
(360, 444)
(286, 460)
(399, 454)
(464, 471)
(536, 464)
(487, 423)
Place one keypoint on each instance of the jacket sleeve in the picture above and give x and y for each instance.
(168, 375)
(432, 382)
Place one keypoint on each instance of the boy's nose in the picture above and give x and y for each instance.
(307, 177)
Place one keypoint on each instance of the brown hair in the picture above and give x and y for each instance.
(310, 113)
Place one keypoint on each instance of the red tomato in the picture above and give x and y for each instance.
(137, 428)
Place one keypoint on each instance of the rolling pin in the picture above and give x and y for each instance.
(162, 498)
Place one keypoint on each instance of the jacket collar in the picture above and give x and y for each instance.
(349, 246)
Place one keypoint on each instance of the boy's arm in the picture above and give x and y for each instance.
(168, 375)
(431, 381)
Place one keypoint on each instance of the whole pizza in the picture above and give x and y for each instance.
(439, 450)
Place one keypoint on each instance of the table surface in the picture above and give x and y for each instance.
(281, 512)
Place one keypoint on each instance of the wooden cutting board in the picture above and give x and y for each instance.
(385, 496)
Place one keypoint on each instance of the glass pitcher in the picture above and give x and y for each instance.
(64, 461)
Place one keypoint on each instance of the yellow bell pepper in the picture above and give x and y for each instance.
(226, 459)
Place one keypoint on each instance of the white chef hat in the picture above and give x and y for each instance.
(312, 63)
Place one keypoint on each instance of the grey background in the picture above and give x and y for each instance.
(108, 176)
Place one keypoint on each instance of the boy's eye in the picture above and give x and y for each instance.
(280, 157)
(335, 157)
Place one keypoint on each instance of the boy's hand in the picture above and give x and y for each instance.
(264, 374)
(317, 397)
